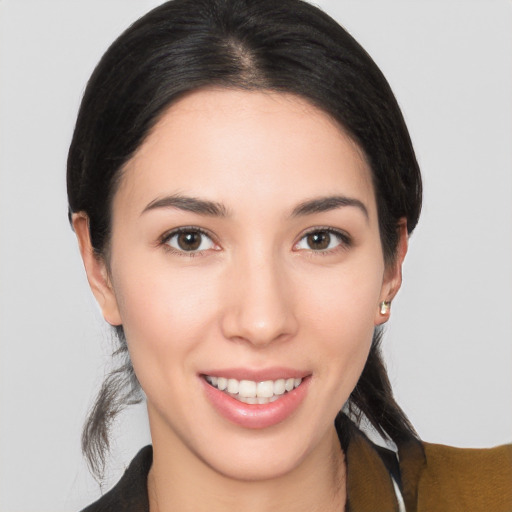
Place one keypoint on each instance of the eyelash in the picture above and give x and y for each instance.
(345, 240)
(164, 241)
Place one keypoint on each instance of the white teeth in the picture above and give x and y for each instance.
(251, 392)
(279, 387)
(222, 383)
(247, 399)
(247, 388)
(212, 380)
(233, 386)
(265, 389)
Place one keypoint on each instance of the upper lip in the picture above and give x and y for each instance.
(258, 375)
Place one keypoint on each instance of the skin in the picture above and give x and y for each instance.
(255, 295)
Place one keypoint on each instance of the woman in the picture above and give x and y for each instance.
(242, 186)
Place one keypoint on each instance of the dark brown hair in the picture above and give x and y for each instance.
(278, 45)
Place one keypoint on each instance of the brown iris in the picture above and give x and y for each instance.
(319, 240)
(189, 240)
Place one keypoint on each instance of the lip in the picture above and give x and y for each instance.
(257, 375)
(257, 416)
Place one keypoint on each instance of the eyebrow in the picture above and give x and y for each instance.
(324, 204)
(189, 204)
(214, 209)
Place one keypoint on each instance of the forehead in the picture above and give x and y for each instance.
(261, 145)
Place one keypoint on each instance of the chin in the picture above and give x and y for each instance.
(256, 464)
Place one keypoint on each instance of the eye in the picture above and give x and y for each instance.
(188, 240)
(322, 240)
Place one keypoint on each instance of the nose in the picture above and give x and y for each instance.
(259, 303)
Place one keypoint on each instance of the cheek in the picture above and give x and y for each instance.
(339, 311)
(343, 300)
(165, 312)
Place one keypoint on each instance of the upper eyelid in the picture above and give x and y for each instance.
(345, 240)
(342, 233)
(163, 241)
(175, 231)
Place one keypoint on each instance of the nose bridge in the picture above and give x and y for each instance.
(260, 306)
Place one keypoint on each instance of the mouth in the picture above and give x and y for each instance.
(252, 392)
(256, 399)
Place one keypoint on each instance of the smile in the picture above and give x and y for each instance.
(252, 392)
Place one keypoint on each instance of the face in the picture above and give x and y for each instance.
(247, 271)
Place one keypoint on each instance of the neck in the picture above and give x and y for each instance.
(180, 481)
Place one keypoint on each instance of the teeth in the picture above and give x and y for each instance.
(247, 388)
(248, 399)
(265, 389)
(251, 392)
(233, 386)
(279, 387)
(222, 383)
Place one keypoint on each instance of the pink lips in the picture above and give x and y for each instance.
(257, 416)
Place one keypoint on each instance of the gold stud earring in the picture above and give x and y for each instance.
(384, 307)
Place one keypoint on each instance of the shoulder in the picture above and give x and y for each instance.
(130, 493)
(466, 479)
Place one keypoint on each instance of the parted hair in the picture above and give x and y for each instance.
(276, 45)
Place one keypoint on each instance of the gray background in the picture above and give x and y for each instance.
(448, 345)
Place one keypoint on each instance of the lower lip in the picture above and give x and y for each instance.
(256, 416)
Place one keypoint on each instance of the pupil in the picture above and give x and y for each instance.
(189, 241)
(319, 240)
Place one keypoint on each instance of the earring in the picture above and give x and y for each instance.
(384, 307)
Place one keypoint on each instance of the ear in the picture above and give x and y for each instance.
(96, 269)
(393, 275)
